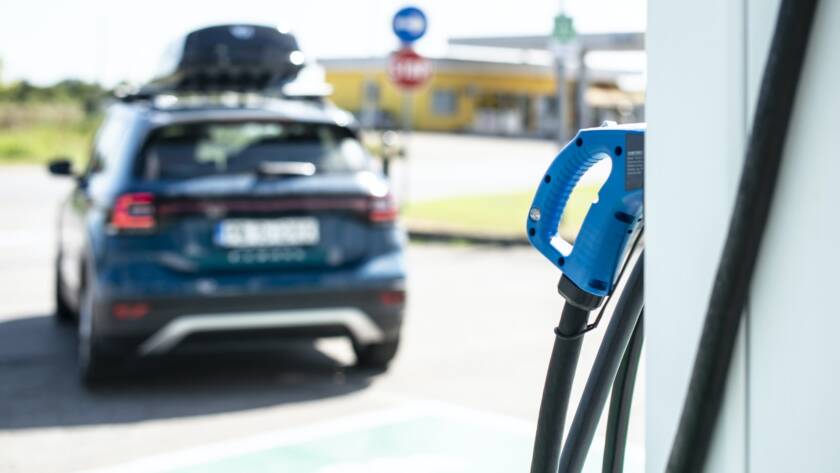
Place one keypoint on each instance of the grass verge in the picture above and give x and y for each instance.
(500, 215)
(40, 143)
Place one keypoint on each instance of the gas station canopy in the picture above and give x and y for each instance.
(588, 41)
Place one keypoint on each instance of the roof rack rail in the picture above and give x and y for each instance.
(128, 96)
(309, 92)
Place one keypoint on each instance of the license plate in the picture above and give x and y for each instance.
(249, 233)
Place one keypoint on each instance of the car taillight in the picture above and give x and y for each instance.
(383, 209)
(123, 311)
(134, 211)
(392, 297)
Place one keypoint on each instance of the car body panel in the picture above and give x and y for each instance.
(178, 270)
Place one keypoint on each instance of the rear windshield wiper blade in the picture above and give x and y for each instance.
(285, 169)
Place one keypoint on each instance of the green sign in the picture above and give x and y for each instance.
(564, 29)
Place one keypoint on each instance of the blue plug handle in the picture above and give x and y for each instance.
(592, 262)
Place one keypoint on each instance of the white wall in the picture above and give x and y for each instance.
(705, 64)
(696, 114)
(794, 349)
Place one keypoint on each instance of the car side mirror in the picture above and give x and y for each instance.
(60, 167)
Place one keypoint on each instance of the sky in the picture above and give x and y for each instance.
(44, 41)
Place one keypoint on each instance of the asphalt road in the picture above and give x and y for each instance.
(477, 339)
(444, 165)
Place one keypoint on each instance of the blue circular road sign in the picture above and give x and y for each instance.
(409, 24)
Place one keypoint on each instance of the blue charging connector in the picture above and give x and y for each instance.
(592, 262)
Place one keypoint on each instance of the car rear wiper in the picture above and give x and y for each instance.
(285, 169)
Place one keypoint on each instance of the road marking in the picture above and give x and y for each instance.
(428, 437)
(352, 424)
(191, 456)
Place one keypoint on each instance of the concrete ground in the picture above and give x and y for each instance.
(442, 165)
(445, 165)
(476, 344)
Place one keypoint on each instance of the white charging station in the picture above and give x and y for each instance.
(705, 62)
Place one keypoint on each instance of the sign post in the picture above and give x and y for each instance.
(562, 35)
(407, 69)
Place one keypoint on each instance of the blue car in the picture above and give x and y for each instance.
(196, 220)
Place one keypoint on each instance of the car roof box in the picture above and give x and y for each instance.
(242, 58)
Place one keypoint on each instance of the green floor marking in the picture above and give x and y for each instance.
(425, 438)
(428, 444)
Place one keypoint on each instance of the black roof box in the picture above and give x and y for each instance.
(228, 58)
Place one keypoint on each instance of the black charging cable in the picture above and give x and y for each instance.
(621, 400)
(569, 333)
(746, 229)
(558, 379)
(623, 322)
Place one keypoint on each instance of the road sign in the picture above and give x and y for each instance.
(409, 24)
(564, 29)
(409, 70)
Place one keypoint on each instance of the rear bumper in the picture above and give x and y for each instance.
(359, 314)
(364, 305)
(357, 323)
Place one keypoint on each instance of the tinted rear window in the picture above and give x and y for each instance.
(191, 150)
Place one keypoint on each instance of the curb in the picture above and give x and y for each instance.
(446, 236)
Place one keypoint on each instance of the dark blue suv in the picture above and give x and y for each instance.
(198, 220)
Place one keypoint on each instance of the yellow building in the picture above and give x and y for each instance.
(472, 96)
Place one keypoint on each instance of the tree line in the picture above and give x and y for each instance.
(88, 95)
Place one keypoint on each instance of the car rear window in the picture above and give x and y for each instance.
(190, 150)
